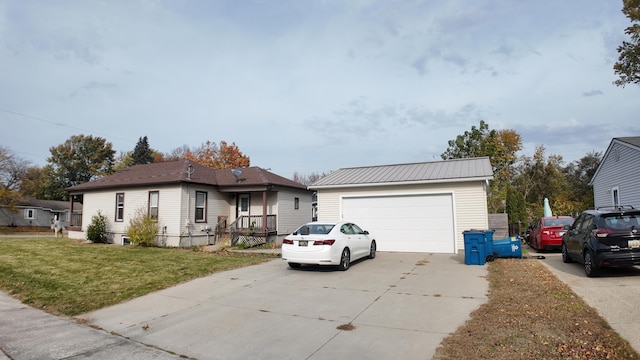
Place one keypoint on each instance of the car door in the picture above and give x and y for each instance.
(361, 241)
(584, 233)
(535, 234)
(572, 235)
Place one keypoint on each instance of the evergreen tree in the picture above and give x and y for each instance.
(142, 153)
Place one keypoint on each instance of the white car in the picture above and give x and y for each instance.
(327, 244)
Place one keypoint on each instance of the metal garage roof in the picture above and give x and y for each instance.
(472, 169)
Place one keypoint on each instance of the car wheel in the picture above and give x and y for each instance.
(565, 255)
(372, 250)
(589, 267)
(294, 265)
(345, 260)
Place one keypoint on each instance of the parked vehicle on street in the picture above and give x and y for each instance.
(327, 244)
(546, 233)
(605, 237)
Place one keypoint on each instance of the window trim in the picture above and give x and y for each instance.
(615, 196)
(296, 203)
(30, 214)
(157, 206)
(203, 207)
(119, 216)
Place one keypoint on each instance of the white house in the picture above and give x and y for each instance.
(616, 181)
(193, 204)
(419, 207)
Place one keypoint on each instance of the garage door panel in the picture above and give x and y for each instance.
(413, 223)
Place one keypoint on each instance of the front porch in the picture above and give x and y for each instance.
(252, 230)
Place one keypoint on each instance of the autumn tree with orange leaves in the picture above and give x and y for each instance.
(225, 156)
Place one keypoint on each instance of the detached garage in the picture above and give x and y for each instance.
(420, 207)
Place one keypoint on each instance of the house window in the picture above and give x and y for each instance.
(615, 194)
(119, 207)
(201, 206)
(296, 203)
(29, 213)
(153, 205)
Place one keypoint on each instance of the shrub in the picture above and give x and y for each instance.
(142, 230)
(97, 230)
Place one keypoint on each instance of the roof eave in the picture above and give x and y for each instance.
(401, 183)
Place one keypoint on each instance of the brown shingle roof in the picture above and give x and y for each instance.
(174, 172)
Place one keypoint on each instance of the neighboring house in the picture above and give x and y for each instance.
(34, 212)
(193, 204)
(420, 207)
(617, 179)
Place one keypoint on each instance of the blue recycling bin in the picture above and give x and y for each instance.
(510, 247)
(477, 245)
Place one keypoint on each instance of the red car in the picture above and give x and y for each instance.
(546, 233)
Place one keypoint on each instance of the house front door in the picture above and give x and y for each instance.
(243, 209)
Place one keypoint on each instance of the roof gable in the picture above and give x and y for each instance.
(632, 142)
(184, 171)
(436, 171)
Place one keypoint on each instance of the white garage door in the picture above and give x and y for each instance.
(411, 223)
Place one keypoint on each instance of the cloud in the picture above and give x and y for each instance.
(592, 93)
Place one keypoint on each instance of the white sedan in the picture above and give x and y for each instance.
(327, 244)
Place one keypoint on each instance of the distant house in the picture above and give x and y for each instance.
(194, 204)
(419, 207)
(37, 213)
(617, 179)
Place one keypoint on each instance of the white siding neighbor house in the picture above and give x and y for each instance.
(194, 204)
(617, 180)
(419, 207)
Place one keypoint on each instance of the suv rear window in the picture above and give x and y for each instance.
(619, 222)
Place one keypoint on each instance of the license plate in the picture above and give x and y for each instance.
(634, 243)
(302, 243)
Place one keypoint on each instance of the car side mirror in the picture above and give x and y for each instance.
(304, 230)
(365, 232)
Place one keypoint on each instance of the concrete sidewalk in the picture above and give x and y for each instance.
(28, 333)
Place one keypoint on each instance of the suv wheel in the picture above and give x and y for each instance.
(565, 255)
(589, 267)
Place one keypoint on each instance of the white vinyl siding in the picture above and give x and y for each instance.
(290, 218)
(619, 169)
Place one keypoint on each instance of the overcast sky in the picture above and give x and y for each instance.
(313, 86)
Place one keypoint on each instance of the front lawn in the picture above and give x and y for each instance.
(68, 277)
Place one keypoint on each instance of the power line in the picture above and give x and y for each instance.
(63, 125)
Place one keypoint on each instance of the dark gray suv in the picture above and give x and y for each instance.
(605, 237)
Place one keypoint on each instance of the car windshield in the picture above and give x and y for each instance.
(558, 222)
(318, 229)
(618, 222)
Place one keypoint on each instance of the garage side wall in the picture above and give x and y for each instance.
(469, 202)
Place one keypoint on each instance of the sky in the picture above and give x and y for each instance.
(313, 86)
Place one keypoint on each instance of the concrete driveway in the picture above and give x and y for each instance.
(614, 293)
(399, 305)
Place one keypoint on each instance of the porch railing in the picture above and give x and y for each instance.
(75, 220)
(252, 228)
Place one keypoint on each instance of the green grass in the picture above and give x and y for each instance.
(67, 277)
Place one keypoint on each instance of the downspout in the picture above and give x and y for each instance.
(188, 222)
(264, 214)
